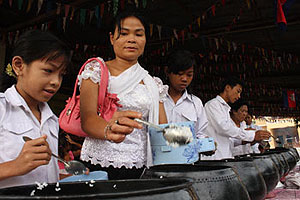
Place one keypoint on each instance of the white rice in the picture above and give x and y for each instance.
(32, 193)
(174, 132)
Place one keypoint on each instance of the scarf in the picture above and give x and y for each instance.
(128, 81)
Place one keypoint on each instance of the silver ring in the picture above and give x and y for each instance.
(116, 121)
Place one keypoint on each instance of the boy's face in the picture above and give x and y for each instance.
(233, 93)
(40, 80)
(179, 82)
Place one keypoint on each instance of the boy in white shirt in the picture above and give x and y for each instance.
(219, 125)
(180, 106)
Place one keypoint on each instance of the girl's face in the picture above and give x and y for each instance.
(179, 82)
(39, 80)
(241, 113)
(131, 42)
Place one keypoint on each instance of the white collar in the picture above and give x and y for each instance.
(222, 101)
(15, 99)
(184, 96)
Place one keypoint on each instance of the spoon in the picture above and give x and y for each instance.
(276, 139)
(73, 167)
(170, 133)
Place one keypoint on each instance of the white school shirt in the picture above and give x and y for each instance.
(16, 121)
(187, 108)
(237, 147)
(254, 147)
(221, 129)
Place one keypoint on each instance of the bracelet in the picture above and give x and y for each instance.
(107, 127)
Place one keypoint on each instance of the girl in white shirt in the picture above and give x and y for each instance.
(39, 61)
(121, 146)
(181, 106)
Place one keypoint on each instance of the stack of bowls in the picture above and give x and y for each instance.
(210, 182)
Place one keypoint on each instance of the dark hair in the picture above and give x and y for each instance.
(237, 105)
(180, 60)
(250, 112)
(35, 44)
(232, 81)
(63, 145)
(123, 15)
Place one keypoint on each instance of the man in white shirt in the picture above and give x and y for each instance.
(219, 125)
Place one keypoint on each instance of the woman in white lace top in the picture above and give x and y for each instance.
(121, 146)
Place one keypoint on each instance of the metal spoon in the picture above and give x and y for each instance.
(73, 167)
(277, 140)
(171, 139)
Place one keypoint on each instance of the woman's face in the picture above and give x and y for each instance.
(241, 113)
(130, 44)
(182, 80)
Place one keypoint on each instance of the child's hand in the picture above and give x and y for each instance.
(34, 154)
(121, 124)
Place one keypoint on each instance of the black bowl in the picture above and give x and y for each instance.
(248, 173)
(210, 182)
(267, 168)
(133, 189)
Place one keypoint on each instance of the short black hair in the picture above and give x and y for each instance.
(35, 44)
(238, 104)
(250, 112)
(232, 81)
(180, 60)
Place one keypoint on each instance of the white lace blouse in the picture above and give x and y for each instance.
(133, 150)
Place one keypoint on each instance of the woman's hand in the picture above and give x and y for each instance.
(121, 124)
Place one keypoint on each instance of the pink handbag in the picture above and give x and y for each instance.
(69, 118)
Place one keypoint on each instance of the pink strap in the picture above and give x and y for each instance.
(103, 82)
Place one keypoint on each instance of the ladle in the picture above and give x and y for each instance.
(73, 167)
(169, 135)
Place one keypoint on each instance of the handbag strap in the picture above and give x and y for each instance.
(103, 82)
